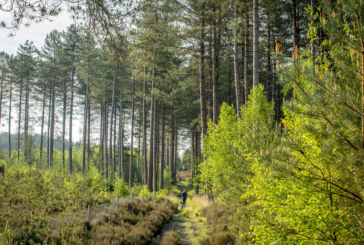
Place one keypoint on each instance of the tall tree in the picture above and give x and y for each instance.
(255, 43)
(132, 135)
(236, 65)
(72, 38)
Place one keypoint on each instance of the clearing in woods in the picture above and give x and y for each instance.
(191, 227)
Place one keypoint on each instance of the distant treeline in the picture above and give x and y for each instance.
(4, 142)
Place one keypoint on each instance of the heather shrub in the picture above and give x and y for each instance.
(171, 238)
(137, 222)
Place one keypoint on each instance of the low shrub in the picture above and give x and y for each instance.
(137, 222)
(225, 224)
(171, 238)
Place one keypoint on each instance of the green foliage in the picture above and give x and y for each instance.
(232, 145)
(302, 186)
(30, 196)
(144, 193)
(122, 188)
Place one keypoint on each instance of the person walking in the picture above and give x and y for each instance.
(184, 198)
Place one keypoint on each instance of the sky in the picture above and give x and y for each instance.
(36, 32)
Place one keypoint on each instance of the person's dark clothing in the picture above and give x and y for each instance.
(184, 196)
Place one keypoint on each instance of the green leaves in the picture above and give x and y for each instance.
(234, 144)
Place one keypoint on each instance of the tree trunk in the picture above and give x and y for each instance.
(255, 44)
(64, 127)
(101, 146)
(210, 67)
(42, 127)
(173, 179)
(70, 124)
(274, 99)
(121, 136)
(198, 147)
(19, 122)
(114, 145)
(246, 59)
(362, 92)
(161, 174)
(85, 118)
(139, 167)
(156, 150)
(88, 134)
(269, 63)
(106, 123)
(312, 23)
(192, 151)
(132, 136)
(202, 73)
(167, 158)
(151, 146)
(236, 64)
(1, 93)
(112, 113)
(216, 67)
(26, 120)
(175, 153)
(145, 167)
(295, 29)
(51, 145)
(10, 102)
(49, 127)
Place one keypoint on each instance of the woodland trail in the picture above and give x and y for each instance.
(188, 223)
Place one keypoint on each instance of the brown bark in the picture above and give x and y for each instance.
(70, 143)
(155, 148)
(216, 66)
(269, 64)
(172, 151)
(151, 140)
(236, 66)
(202, 73)
(49, 125)
(42, 126)
(246, 59)
(1, 92)
(121, 139)
(20, 109)
(64, 127)
(85, 110)
(51, 140)
(101, 151)
(9, 124)
(88, 134)
(161, 174)
(295, 29)
(106, 123)
(112, 114)
(144, 150)
(132, 137)
(255, 43)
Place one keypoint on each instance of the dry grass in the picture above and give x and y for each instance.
(200, 201)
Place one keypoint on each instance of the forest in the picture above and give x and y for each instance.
(255, 108)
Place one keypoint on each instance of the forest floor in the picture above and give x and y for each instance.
(190, 225)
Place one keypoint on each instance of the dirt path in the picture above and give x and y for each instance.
(188, 223)
(191, 227)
